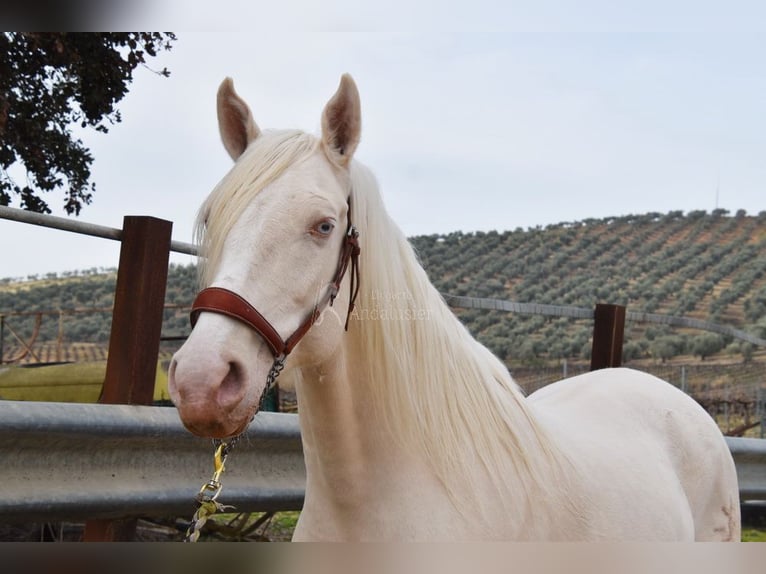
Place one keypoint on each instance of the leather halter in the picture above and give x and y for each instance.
(226, 302)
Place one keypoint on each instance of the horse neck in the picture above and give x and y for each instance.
(336, 413)
(368, 420)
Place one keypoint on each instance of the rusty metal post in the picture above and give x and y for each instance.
(608, 332)
(131, 366)
(139, 301)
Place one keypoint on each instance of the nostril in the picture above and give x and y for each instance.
(232, 387)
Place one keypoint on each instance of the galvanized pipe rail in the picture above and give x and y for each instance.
(68, 461)
(750, 458)
(81, 227)
(65, 461)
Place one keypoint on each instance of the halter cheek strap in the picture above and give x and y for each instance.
(226, 302)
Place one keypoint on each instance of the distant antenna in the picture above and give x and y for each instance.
(717, 190)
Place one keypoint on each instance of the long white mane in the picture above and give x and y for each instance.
(436, 386)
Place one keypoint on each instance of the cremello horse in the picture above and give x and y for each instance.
(411, 429)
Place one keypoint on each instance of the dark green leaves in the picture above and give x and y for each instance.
(50, 82)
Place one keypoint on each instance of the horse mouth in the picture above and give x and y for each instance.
(217, 428)
(206, 417)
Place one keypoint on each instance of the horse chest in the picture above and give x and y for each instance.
(383, 501)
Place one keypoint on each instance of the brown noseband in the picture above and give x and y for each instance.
(225, 302)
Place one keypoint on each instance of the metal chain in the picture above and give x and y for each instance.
(207, 505)
(271, 378)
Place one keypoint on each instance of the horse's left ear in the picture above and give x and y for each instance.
(342, 123)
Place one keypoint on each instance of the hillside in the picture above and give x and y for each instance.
(709, 266)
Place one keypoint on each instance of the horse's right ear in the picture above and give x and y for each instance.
(235, 120)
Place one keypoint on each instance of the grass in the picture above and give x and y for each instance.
(259, 526)
(753, 535)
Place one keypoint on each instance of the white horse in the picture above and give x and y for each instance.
(411, 429)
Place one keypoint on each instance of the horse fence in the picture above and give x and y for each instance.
(67, 461)
(100, 461)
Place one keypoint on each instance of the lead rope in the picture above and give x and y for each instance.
(207, 505)
(206, 498)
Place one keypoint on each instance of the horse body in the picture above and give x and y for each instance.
(663, 475)
(654, 465)
(411, 429)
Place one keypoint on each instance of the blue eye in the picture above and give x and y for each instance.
(324, 227)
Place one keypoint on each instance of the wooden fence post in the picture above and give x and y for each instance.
(131, 367)
(608, 331)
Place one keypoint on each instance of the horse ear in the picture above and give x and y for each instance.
(342, 123)
(235, 120)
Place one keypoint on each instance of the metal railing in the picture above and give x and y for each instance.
(81, 227)
(69, 461)
(65, 461)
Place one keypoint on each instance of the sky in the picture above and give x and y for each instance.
(483, 116)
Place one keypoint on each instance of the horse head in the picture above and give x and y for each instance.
(277, 239)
